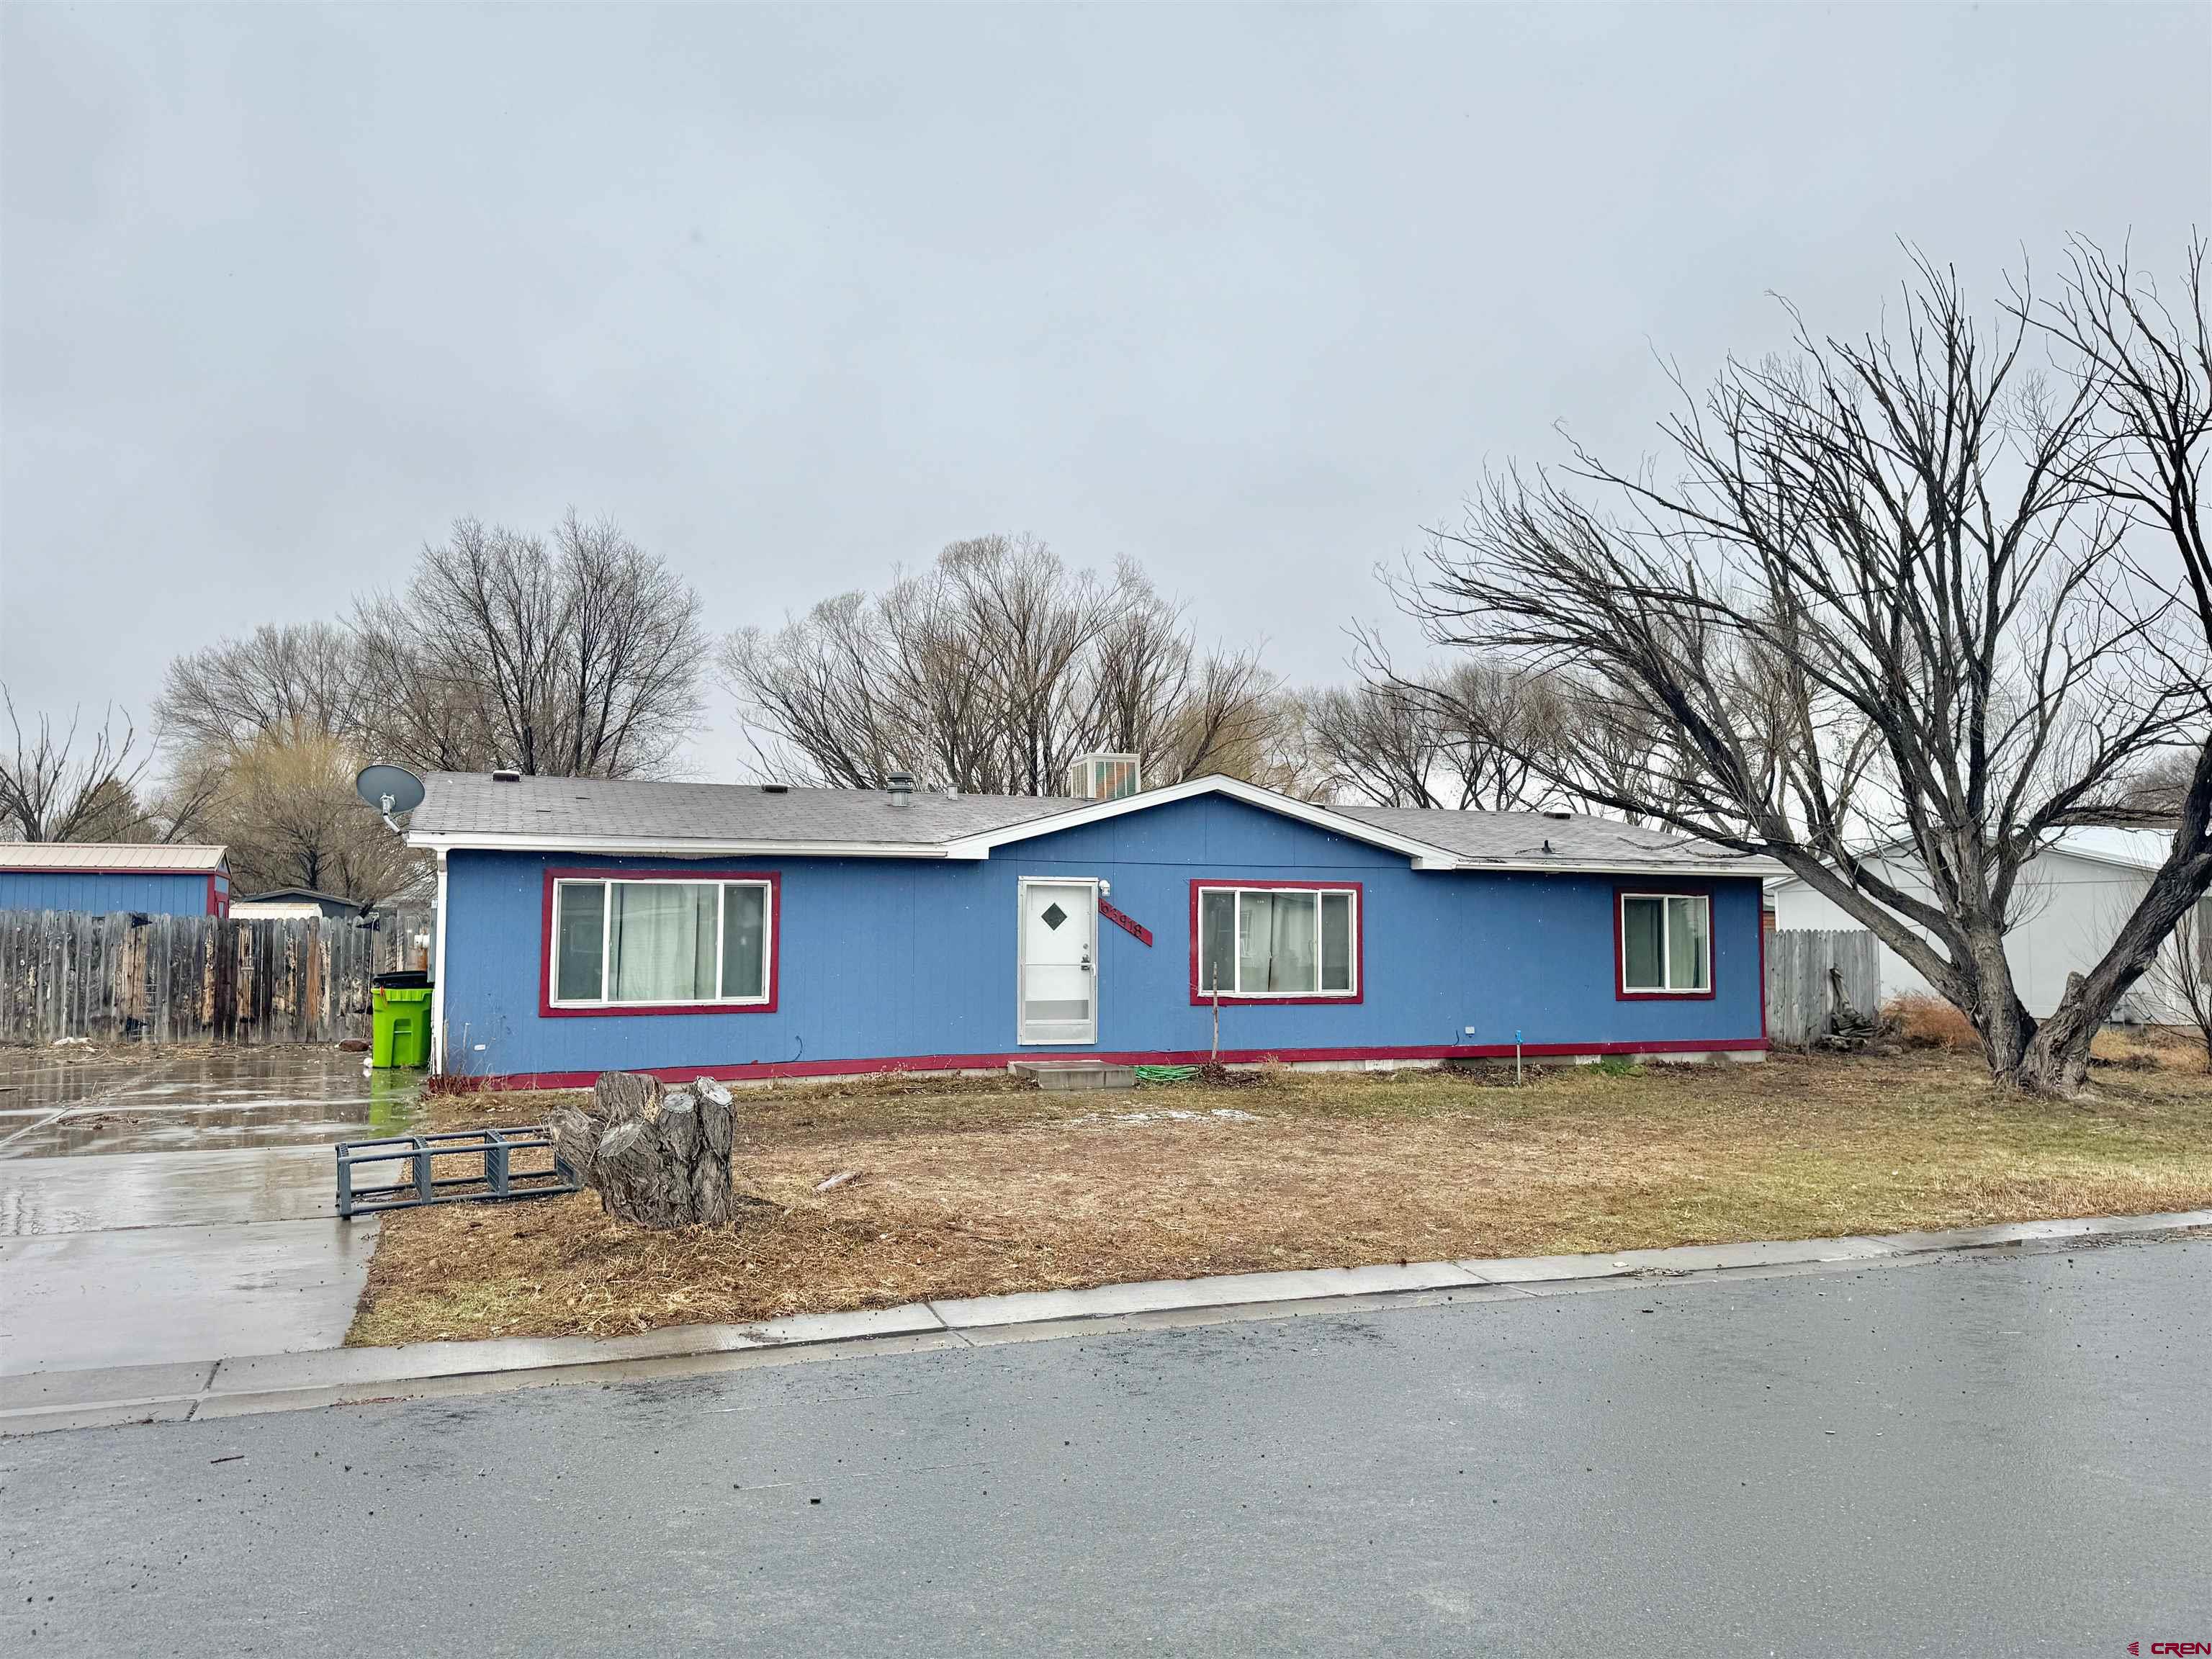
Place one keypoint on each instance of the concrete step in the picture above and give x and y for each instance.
(1071, 1077)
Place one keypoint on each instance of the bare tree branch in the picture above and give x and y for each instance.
(79, 783)
(579, 658)
(1884, 628)
(991, 671)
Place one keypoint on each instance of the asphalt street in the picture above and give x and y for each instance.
(2005, 1453)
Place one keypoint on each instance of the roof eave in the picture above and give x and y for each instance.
(658, 846)
(1746, 869)
(1424, 856)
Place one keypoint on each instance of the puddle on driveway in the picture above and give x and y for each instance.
(60, 1103)
(121, 1190)
(158, 1204)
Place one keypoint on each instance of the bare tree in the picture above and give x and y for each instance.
(276, 681)
(991, 671)
(2149, 370)
(76, 783)
(579, 658)
(1377, 741)
(287, 811)
(2158, 790)
(2180, 975)
(1230, 716)
(1885, 619)
(1462, 735)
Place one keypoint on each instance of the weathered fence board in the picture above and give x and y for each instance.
(193, 978)
(1797, 964)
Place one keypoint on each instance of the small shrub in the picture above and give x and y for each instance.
(1616, 1066)
(453, 1083)
(1928, 1021)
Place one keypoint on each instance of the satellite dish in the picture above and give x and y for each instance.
(389, 789)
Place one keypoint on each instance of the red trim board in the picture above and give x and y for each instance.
(548, 1010)
(1201, 998)
(762, 1070)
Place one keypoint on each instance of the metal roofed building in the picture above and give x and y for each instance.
(146, 878)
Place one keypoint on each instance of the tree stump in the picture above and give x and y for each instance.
(657, 1157)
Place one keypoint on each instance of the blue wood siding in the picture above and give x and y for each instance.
(154, 892)
(884, 958)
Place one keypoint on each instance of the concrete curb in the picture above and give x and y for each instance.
(44, 1402)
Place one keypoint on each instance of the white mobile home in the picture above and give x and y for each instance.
(2072, 898)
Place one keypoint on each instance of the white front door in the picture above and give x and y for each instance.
(1058, 975)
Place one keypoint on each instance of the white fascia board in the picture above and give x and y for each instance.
(643, 848)
(2109, 861)
(1425, 856)
(1749, 869)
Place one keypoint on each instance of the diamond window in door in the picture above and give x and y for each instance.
(1053, 916)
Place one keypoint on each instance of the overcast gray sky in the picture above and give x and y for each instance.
(1249, 293)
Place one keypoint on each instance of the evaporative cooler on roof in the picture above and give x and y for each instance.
(1104, 777)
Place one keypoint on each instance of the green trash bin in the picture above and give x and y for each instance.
(401, 1023)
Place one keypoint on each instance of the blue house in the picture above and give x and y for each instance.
(106, 876)
(756, 931)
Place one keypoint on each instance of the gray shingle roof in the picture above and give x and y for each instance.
(463, 806)
(472, 804)
(1576, 841)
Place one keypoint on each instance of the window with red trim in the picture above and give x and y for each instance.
(661, 944)
(1275, 941)
(1666, 944)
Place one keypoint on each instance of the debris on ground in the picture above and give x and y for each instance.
(840, 1179)
(1214, 1075)
(1169, 1114)
(1849, 1030)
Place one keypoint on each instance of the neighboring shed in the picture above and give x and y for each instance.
(2073, 896)
(102, 877)
(295, 902)
(750, 931)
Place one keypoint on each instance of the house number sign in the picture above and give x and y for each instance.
(1142, 933)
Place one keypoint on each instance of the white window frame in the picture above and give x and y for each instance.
(1204, 991)
(1665, 987)
(768, 920)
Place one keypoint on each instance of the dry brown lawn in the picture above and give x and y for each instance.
(972, 1187)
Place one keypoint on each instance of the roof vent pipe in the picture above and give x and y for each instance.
(901, 788)
(1554, 812)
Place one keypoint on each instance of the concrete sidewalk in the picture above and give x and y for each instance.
(243, 1386)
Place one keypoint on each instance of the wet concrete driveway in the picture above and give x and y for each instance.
(171, 1204)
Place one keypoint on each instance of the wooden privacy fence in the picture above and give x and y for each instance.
(1798, 1001)
(193, 978)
